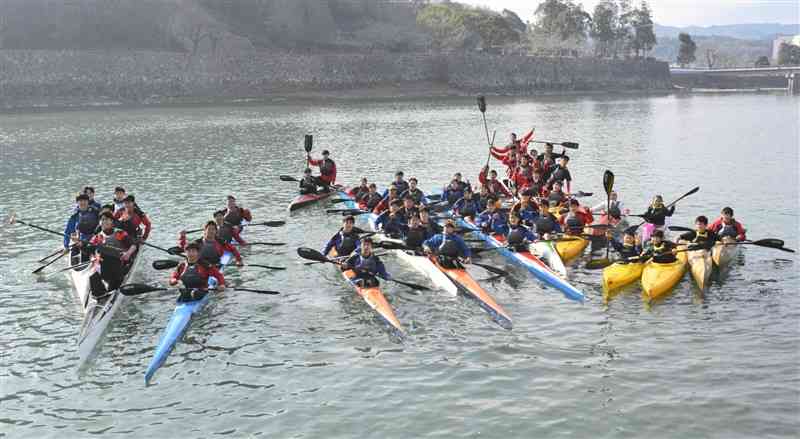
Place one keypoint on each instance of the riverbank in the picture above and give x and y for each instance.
(85, 78)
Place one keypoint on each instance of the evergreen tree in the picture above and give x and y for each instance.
(686, 53)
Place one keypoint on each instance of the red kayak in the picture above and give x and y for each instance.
(308, 199)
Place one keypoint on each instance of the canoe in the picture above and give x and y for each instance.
(546, 251)
(470, 288)
(375, 299)
(618, 275)
(179, 322)
(301, 201)
(97, 314)
(701, 265)
(659, 279)
(722, 254)
(530, 262)
(569, 250)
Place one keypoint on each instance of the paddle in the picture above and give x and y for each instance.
(313, 255)
(174, 251)
(139, 289)
(491, 269)
(13, 220)
(71, 267)
(63, 252)
(347, 212)
(433, 197)
(165, 264)
(482, 109)
(57, 252)
(288, 178)
(608, 185)
(571, 145)
(632, 229)
(265, 223)
(308, 146)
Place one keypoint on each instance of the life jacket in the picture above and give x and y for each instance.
(728, 230)
(574, 224)
(663, 253)
(556, 197)
(545, 224)
(308, 183)
(368, 264)
(454, 195)
(629, 250)
(209, 252)
(347, 243)
(700, 238)
(234, 216)
(401, 186)
(327, 167)
(225, 232)
(130, 223)
(372, 200)
(448, 248)
(559, 174)
(415, 237)
(416, 194)
(613, 210)
(469, 207)
(88, 220)
(193, 279)
(516, 238)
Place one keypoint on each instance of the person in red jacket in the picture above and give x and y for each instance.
(225, 231)
(726, 225)
(524, 174)
(327, 170)
(194, 274)
(131, 219)
(234, 214)
(494, 185)
(211, 249)
(115, 249)
(384, 204)
(577, 218)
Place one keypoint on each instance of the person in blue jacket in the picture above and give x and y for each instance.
(449, 248)
(492, 219)
(519, 237)
(346, 240)
(81, 227)
(367, 265)
(392, 222)
(469, 205)
(453, 192)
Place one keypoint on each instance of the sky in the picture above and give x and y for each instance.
(682, 12)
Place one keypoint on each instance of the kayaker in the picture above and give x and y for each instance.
(392, 195)
(211, 248)
(80, 228)
(89, 191)
(392, 222)
(657, 213)
(106, 208)
(495, 186)
(359, 191)
(526, 208)
(614, 209)
(119, 198)
(483, 197)
(308, 184)
(576, 219)
(702, 236)
(407, 209)
(371, 199)
(548, 154)
(225, 231)
(561, 174)
(556, 196)
(461, 183)
(193, 273)
(327, 170)
(469, 205)
(537, 184)
(492, 220)
(426, 221)
(519, 237)
(367, 265)
(659, 250)
(448, 247)
(727, 226)
(346, 240)
(453, 192)
(416, 234)
(509, 160)
(414, 192)
(131, 219)
(115, 249)
(399, 183)
(628, 248)
(523, 176)
(546, 223)
(234, 214)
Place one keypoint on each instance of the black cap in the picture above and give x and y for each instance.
(349, 219)
(107, 206)
(119, 189)
(658, 233)
(130, 198)
(574, 202)
(326, 152)
(82, 196)
(400, 173)
(88, 189)
(527, 193)
(193, 245)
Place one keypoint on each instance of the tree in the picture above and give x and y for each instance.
(687, 50)
(643, 36)
(624, 30)
(456, 26)
(788, 55)
(604, 28)
(762, 61)
(563, 18)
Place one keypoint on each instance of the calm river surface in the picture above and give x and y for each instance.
(314, 362)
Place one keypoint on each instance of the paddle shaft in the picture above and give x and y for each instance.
(43, 229)
(38, 270)
(691, 192)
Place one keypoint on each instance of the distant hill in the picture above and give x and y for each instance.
(751, 31)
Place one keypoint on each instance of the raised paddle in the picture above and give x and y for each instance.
(608, 186)
(691, 192)
(265, 223)
(166, 264)
(308, 146)
(139, 289)
(314, 255)
(570, 145)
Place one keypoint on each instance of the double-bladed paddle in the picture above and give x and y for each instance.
(139, 289)
(570, 145)
(166, 264)
(608, 185)
(632, 229)
(347, 212)
(774, 243)
(314, 255)
(265, 223)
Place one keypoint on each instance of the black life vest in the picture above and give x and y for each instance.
(614, 210)
(700, 238)
(448, 248)
(555, 198)
(415, 237)
(347, 243)
(516, 238)
(628, 251)
(326, 167)
(88, 220)
(208, 252)
(416, 195)
(192, 279)
(225, 232)
(545, 224)
(372, 200)
(574, 224)
(234, 216)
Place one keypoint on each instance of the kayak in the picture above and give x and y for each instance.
(179, 322)
(470, 288)
(571, 248)
(619, 275)
(617, 226)
(546, 251)
(423, 265)
(529, 261)
(659, 279)
(722, 254)
(98, 312)
(374, 298)
(701, 265)
(308, 199)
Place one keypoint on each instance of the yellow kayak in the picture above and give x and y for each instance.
(618, 275)
(574, 247)
(659, 279)
(722, 254)
(701, 265)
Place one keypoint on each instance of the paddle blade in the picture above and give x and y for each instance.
(769, 242)
(288, 178)
(137, 289)
(608, 182)
(582, 194)
(165, 264)
(413, 286)
(273, 244)
(482, 104)
(272, 223)
(598, 264)
(679, 229)
(268, 267)
(175, 251)
(570, 145)
(491, 269)
(309, 143)
(311, 254)
(257, 291)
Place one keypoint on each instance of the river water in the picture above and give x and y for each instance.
(314, 362)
